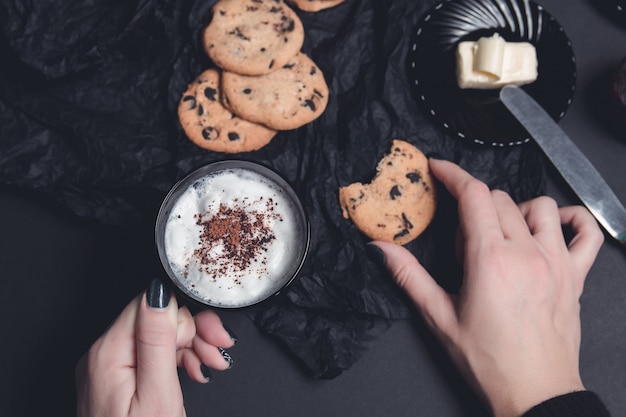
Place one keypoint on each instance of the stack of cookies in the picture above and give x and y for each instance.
(263, 82)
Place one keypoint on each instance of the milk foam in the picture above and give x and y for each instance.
(220, 282)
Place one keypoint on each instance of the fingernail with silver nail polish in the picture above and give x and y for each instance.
(226, 357)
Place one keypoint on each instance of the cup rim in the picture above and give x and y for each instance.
(268, 173)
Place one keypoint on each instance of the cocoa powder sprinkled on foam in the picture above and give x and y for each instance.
(233, 238)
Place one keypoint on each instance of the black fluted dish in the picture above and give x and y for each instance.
(478, 116)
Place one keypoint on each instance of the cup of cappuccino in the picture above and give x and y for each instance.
(232, 234)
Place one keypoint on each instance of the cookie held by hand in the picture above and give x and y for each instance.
(208, 124)
(399, 203)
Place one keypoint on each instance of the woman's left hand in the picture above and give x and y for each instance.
(131, 370)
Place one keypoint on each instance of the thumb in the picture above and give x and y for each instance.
(433, 302)
(157, 377)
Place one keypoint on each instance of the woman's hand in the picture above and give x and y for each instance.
(514, 328)
(131, 370)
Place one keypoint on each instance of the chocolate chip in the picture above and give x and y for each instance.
(192, 102)
(271, 64)
(209, 133)
(317, 93)
(237, 32)
(200, 110)
(407, 226)
(395, 192)
(286, 25)
(414, 177)
(247, 90)
(404, 232)
(310, 104)
(233, 136)
(313, 71)
(289, 66)
(405, 221)
(210, 93)
(360, 196)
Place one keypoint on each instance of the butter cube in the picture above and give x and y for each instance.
(493, 63)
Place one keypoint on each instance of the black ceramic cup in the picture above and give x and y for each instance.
(232, 234)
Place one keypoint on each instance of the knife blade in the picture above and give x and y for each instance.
(568, 159)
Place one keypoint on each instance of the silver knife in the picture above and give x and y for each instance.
(575, 168)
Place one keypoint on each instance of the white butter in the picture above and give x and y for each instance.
(489, 56)
(493, 63)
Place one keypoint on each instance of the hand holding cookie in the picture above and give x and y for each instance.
(514, 328)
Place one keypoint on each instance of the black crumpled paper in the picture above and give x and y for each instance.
(88, 97)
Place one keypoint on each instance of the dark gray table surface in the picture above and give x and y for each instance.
(63, 281)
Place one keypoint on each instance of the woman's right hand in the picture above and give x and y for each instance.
(514, 328)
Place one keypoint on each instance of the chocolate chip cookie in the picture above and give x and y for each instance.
(208, 124)
(399, 203)
(285, 99)
(252, 37)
